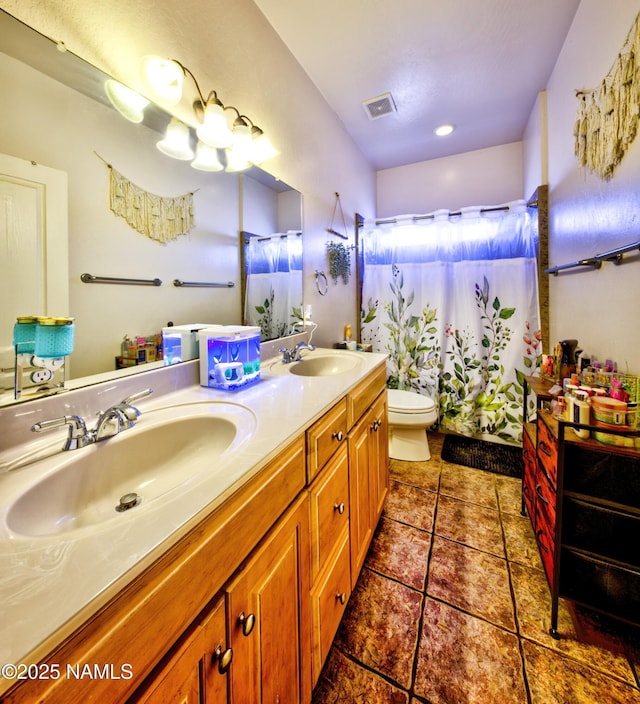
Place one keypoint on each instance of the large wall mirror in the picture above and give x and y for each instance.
(56, 116)
(271, 249)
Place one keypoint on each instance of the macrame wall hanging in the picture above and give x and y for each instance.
(157, 217)
(608, 115)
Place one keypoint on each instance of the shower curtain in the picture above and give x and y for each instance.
(273, 293)
(453, 300)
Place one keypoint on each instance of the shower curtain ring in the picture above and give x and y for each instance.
(321, 283)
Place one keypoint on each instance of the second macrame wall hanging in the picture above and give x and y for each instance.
(607, 121)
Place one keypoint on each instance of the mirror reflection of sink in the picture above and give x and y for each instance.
(166, 449)
(321, 363)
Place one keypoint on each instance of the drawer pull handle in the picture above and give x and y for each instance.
(339, 508)
(545, 449)
(222, 658)
(247, 623)
(342, 597)
(338, 436)
(375, 426)
(540, 496)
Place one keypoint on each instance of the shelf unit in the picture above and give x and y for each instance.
(583, 500)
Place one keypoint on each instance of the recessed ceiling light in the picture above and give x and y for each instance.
(444, 130)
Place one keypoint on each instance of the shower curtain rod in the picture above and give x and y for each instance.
(431, 216)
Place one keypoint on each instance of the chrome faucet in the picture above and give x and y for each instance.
(295, 353)
(110, 422)
(302, 345)
(119, 417)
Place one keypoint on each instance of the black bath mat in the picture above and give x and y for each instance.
(480, 454)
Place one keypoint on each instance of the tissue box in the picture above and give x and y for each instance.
(180, 342)
(229, 356)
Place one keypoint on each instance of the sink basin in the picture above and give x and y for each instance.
(321, 363)
(167, 448)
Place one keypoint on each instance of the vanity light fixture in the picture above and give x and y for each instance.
(245, 143)
(126, 101)
(444, 130)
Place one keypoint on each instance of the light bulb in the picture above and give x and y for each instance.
(214, 130)
(126, 101)
(176, 141)
(206, 158)
(164, 79)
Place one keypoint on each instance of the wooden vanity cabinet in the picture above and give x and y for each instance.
(244, 607)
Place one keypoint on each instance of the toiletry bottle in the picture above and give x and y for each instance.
(581, 413)
(347, 333)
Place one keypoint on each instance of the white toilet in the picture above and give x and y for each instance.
(410, 414)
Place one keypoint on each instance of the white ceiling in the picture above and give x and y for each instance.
(478, 64)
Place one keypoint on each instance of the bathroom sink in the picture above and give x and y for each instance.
(320, 363)
(167, 448)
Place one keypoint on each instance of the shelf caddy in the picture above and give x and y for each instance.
(613, 255)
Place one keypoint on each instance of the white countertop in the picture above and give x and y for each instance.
(49, 585)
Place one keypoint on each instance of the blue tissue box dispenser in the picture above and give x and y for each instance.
(229, 356)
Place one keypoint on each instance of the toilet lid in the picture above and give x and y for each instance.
(409, 402)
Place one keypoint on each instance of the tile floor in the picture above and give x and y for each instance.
(452, 607)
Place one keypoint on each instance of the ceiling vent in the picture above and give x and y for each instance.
(380, 106)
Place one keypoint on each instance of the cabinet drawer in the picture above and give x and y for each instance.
(602, 585)
(325, 436)
(364, 394)
(602, 474)
(545, 526)
(329, 600)
(601, 530)
(547, 451)
(329, 508)
(528, 479)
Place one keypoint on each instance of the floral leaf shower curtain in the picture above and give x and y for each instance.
(453, 300)
(273, 295)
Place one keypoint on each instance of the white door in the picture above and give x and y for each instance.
(34, 267)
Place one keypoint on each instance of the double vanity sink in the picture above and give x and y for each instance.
(77, 526)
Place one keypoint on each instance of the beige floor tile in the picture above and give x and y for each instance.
(411, 505)
(554, 679)
(468, 484)
(462, 658)
(401, 552)
(471, 580)
(380, 626)
(471, 524)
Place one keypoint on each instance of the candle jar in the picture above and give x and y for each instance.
(24, 334)
(54, 337)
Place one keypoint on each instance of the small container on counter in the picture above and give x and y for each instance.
(54, 337)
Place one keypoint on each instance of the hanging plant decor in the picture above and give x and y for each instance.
(339, 256)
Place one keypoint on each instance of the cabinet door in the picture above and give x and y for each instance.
(360, 514)
(195, 672)
(268, 616)
(217, 657)
(379, 431)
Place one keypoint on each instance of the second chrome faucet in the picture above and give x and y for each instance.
(110, 422)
